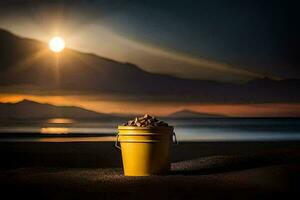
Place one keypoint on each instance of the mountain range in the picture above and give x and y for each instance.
(30, 109)
(30, 65)
(185, 113)
(27, 109)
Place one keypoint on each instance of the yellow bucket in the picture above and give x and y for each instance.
(145, 151)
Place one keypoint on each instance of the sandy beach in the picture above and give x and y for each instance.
(80, 170)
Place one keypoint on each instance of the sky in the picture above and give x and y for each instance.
(216, 40)
(226, 41)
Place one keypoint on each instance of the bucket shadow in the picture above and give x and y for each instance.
(220, 164)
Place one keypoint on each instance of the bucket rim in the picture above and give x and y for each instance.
(145, 128)
(144, 134)
(142, 141)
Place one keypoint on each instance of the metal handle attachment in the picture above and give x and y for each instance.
(117, 142)
(175, 139)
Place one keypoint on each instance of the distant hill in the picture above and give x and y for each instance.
(21, 59)
(192, 114)
(29, 109)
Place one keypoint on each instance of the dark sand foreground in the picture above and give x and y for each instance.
(86, 170)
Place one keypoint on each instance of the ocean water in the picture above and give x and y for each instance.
(210, 129)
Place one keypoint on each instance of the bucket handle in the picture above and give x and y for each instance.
(119, 147)
(175, 139)
(117, 142)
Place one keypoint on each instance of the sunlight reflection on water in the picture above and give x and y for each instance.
(61, 121)
(54, 130)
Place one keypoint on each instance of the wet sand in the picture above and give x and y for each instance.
(70, 170)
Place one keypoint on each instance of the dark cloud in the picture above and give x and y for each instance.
(64, 13)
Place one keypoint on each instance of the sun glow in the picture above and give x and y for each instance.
(56, 44)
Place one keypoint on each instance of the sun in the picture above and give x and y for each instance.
(56, 44)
